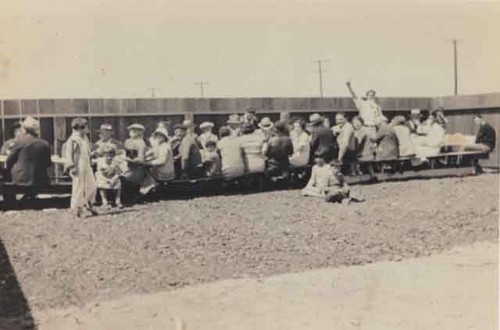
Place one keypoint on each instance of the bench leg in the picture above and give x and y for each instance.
(10, 200)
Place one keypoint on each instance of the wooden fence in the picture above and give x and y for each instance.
(55, 115)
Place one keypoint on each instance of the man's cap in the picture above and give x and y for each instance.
(315, 118)
(31, 124)
(415, 112)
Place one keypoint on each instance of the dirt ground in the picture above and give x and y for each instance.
(61, 260)
(454, 290)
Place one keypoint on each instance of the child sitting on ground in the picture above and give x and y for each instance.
(211, 159)
(108, 176)
(327, 182)
(337, 189)
(318, 182)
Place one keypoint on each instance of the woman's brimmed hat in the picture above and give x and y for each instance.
(31, 124)
(315, 118)
(266, 123)
(234, 119)
(137, 127)
(161, 131)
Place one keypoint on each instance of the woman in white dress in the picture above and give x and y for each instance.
(79, 166)
(301, 144)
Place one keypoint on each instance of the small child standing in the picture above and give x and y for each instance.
(78, 163)
(108, 176)
(211, 159)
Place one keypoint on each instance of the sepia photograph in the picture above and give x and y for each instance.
(249, 165)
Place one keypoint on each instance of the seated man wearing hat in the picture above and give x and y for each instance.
(29, 160)
(106, 140)
(234, 124)
(206, 134)
(322, 139)
(415, 121)
(278, 151)
(189, 151)
(265, 128)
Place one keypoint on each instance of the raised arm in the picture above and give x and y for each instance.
(351, 91)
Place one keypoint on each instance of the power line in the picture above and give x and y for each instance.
(320, 72)
(201, 84)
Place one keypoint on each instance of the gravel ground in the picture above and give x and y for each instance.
(61, 260)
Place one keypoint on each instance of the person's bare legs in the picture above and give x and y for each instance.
(118, 198)
(104, 198)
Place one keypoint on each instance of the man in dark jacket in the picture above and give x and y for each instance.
(322, 140)
(189, 150)
(486, 140)
(486, 134)
(29, 160)
(279, 149)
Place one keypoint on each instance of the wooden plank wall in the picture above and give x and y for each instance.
(56, 114)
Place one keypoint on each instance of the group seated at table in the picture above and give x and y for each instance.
(243, 146)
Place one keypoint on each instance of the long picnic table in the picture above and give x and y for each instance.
(446, 162)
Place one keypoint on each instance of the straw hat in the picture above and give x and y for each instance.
(106, 127)
(234, 119)
(206, 124)
(136, 126)
(266, 123)
(415, 113)
(188, 123)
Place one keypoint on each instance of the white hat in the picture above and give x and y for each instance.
(266, 123)
(162, 131)
(106, 127)
(31, 124)
(188, 123)
(315, 118)
(136, 126)
(206, 124)
(415, 112)
(234, 119)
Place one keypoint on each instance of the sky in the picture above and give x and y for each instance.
(130, 48)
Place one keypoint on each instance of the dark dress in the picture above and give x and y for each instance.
(29, 162)
(323, 143)
(487, 135)
(388, 144)
(279, 149)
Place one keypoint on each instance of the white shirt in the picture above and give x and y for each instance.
(369, 111)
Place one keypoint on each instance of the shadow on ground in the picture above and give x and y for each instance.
(15, 313)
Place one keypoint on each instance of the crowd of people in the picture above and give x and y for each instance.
(244, 145)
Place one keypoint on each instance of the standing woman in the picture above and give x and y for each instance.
(79, 165)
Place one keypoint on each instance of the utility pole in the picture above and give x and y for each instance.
(320, 71)
(455, 64)
(201, 84)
